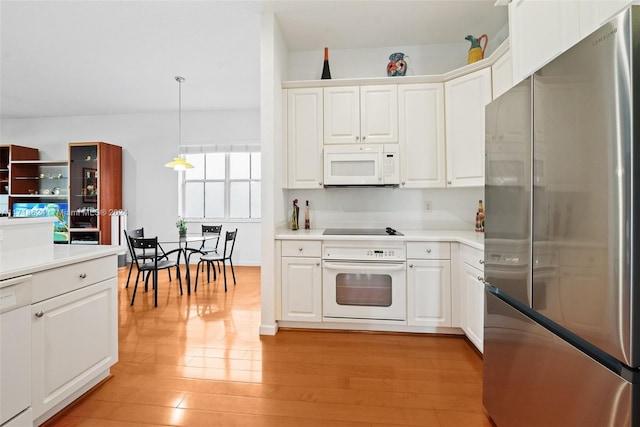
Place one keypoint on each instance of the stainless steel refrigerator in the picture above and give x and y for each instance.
(562, 263)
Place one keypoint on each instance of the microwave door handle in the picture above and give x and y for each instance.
(367, 266)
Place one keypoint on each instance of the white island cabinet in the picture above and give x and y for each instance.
(74, 336)
(72, 324)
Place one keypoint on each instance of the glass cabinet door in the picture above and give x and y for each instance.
(83, 193)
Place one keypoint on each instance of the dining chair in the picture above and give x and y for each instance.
(160, 261)
(210, 240)
(142, 255)
(229, 244)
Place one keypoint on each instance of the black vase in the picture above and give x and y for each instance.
(326, 74)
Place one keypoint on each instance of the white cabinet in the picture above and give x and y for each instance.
(421, 135)
(540, 30)
(301, 281)
(74, 339)
(304, 138)
(502, 75)
(366, 114)
(429, 284)
(465, 101)
(472, 295)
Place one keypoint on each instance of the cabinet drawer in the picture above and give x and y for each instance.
(57, 281)
(429, 250)
(473, 257)
(303, 248)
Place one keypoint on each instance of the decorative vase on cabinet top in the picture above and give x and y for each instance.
(397, 65)
(476, 52)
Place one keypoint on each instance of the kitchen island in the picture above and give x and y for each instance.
(423, 281)
(70, 315)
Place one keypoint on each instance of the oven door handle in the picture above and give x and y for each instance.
(369, 267)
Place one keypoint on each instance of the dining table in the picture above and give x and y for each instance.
(183, 243)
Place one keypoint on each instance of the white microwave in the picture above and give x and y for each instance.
(361, 165)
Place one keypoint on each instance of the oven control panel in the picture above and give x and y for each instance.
(364, 252)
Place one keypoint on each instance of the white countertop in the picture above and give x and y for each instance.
(19, 262)
(469, 238)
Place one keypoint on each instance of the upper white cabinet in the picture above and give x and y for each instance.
(542, 29)
(366, 114)
(421, 135)
(502, 75)
(465, 100)
(304, 138)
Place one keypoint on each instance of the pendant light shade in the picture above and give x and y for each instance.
(179, 163)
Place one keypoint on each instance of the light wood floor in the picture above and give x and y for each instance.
(199, 361)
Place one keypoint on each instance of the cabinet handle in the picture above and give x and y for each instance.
(481, 261)
(402, 183)
(410, 265)
(364, 137)
(480, 279)
(357, 138)
(317, 263)
(448, 182)
(320, 184)
(300, 249)
(83, 275)
(428, 250)
(40, 313)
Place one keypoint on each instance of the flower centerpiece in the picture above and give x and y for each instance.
(181, 225)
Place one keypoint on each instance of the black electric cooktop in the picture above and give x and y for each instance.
(361, 232)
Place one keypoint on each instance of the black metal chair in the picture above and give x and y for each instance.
(229, 244)
(142, 255)
(209, 245)
(159, 262)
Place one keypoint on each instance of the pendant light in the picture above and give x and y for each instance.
(179, 163)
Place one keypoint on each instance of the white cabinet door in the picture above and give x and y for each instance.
(342, 115)
(502, 75)
(74, 338)
(472, 304)
(421, 135)
(366, 114)
(540, 30)
(465, 100)
(301, 289)
(429, 293)
(304, 138)
(379, 114)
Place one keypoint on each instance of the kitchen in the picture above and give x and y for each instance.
(451, 208)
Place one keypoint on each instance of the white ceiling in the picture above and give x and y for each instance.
(69, 58)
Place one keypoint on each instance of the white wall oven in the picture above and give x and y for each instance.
(364, 280)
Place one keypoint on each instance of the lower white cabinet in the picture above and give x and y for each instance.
(472, 295)
(429, 284)
(74, 338)
(429, 292)
(301, 281)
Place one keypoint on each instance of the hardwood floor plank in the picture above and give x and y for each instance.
(198, 360)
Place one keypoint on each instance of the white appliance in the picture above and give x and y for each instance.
(364, 280)
(361, 165)
(15, 359)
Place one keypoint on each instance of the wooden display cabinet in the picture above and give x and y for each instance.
(95, 190)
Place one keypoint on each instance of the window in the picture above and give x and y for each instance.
(221, 186)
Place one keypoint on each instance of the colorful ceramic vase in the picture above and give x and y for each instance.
(397, 65)
(476, 52)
